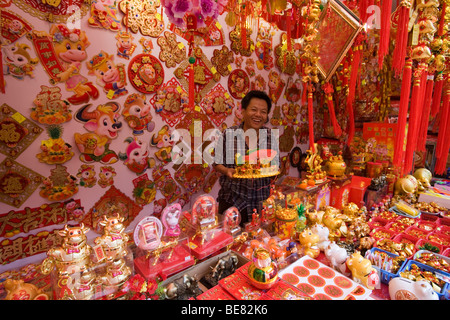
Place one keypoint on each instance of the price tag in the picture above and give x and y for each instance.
(110, 94)
(18, 117)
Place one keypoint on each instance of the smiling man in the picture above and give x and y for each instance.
(251, 134)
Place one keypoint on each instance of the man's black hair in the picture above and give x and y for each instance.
(256, 94)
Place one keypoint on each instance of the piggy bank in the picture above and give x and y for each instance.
(406, 185)
(423, 177)
(362, 271)
(405, 289)
(337, 257)
(333, 221)
(309, 240)
(19, 290)
(350, 210)
(323, 234)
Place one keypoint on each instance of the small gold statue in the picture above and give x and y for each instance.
(73, 255)
(114, 240)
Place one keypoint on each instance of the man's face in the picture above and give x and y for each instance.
(256, 114)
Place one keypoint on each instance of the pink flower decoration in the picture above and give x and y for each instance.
(180, 7)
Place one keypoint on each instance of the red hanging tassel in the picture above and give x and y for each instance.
(243, 17)
(311, 118)
(328, 89)
(415, 113)
(437, 95)
(424, 120)
(305, 92)
(442, 20)
(363, 10)
(443, 143)
(357, 51)
(288, 31)
(383, 48)
(401, 39)
(2, 79)
(402, 115)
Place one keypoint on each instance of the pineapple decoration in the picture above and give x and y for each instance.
(55, 150)
(301, 221)
(60, 185)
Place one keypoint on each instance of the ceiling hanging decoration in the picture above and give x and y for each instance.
(55, 11)
(177, 10)
(142, 16)
(197, 75)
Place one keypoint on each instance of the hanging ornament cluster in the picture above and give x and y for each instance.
(178, 10)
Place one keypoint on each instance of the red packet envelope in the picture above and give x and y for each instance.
(284, 291)
(215, 293)
(239, 287)
(244, 269)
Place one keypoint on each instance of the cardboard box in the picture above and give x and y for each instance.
(201, 269)
(358, 188)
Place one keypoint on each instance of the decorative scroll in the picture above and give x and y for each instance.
(112, 202)
(170, 101)
(23, 247)
(146, 73)
(218, 104)
(29, 219)
(17, 182)
(142, 16)
(16, 132)
(205, 76)
(55, 11)
(192, 177)
(13, 26)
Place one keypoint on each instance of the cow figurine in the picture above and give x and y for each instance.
(103, 125)
(136, 112)
(362, 271)
(114, 240)
(117, 272)
(73, 255)
(163, 140)
(106, 176)
(110, 76)
(136, 157)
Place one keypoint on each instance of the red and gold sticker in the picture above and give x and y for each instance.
(327, 273)
(333, 291)
(358, 291)
(290, 278)
(321, 296)
(342, 282)
(311, 264)
(316, 281)
(306, 288)
(146, 73)
(301, 271)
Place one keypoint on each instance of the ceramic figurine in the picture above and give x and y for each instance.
(19, 290)
(309, 241)
(405, 289)
(263, 272)
(323, 234)
(114, 240)
(72, 256)
(170, 219)
(362, 271)
(337, 257)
